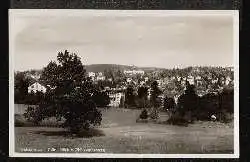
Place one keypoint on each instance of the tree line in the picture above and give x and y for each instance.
(190, 107)
(74, 97)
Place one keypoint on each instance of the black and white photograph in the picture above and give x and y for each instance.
(124, 83)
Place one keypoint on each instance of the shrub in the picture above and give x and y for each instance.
(19, 122)
(177, 119)
(144, 114)
(154, 114)
(33, 115)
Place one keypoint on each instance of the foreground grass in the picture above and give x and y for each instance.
(119, 133)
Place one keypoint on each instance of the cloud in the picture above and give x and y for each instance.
(145, 41)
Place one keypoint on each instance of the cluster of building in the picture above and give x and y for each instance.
(194, 80)
(116, 94)
(96, 76)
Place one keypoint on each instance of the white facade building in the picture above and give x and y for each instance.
(129, 80)
(198, 78)
(190, 79)
(215, 80)
(142, 83)
(131, 72)
(107, 88)
(36, 87)
(35, 76)
(100, 78)
(91, 74)
(160, 82)
(199, 82)
(149, 93)
(115, 99)
(176, 98)
(183, 82)
(228, 80)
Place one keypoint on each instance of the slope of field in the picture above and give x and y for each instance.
(119, 133)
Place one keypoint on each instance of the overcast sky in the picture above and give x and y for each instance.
(142, 40)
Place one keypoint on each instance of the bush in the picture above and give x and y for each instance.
(154, 114)
(33, 114)
(144, 114)
(51, 122)
(177, 119)
(21, 122)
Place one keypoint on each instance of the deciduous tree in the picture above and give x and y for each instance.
(142, 95)
(71, 94)
(130, 96)
(21, 84)
(154, 99)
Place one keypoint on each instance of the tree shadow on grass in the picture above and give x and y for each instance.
(83, 133)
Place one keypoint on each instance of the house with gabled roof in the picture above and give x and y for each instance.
(37, 87)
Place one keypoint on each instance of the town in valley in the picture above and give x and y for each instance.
(171, 81)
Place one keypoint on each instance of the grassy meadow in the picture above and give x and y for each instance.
(120, 133)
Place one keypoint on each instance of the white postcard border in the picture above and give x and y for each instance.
(54, 12)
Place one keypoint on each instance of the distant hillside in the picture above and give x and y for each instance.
(99, 68)
(102, 67)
